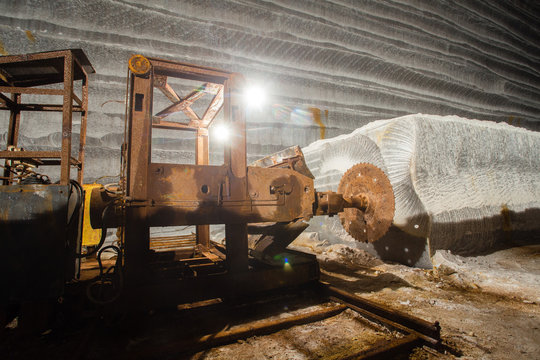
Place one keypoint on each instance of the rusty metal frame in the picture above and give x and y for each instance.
(199, 125)
(159, 194)
(225, 88)
(70, 65)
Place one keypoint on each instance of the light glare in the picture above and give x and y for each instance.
(221, 133)
(255, 97)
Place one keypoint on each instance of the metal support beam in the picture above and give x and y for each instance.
(13, 134)
(202, 158)
(82, 136)
(67, 119)
(236, 160)
(139, 157)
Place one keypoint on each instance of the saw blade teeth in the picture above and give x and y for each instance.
(369, 180)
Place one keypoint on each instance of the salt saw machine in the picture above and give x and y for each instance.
(264, 207)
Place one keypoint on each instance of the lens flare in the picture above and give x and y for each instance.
(255, 97)
(221, 133)
(287, 265)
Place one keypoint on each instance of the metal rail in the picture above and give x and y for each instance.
(414, 332)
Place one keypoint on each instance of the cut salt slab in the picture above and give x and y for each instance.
(460, 185)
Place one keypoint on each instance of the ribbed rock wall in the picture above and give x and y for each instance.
(356, 61)
(459, 184)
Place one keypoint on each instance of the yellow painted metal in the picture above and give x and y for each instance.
(90, 236)
(139, 65)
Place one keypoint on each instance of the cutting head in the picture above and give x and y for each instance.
(371, 182)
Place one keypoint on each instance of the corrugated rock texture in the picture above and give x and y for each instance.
(356, 61)
(459, 184)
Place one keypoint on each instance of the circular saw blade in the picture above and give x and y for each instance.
(372, 182)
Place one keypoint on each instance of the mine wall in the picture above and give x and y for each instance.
(329, 68)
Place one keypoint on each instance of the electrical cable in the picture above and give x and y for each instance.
(105, 177)
(80, 191)
(122, 189)
(118, 259)
(107, 278)
(107, 188)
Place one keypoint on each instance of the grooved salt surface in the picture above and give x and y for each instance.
(355, 61)
(460, 184)
(360, 61)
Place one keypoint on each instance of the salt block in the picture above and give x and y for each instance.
(461, 185)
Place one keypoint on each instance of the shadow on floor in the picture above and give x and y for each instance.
(364, 280)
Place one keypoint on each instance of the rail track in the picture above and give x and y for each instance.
(189, 329)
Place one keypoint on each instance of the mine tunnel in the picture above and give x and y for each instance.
(269, 179)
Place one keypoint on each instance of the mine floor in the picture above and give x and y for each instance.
(488, 306)
(484, 314)
(480, 315)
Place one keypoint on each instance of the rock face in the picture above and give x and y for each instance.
(459, 184)
(348, 62)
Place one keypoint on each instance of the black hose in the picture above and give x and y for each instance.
(80, 201)
(118, 259)
(117, 272)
